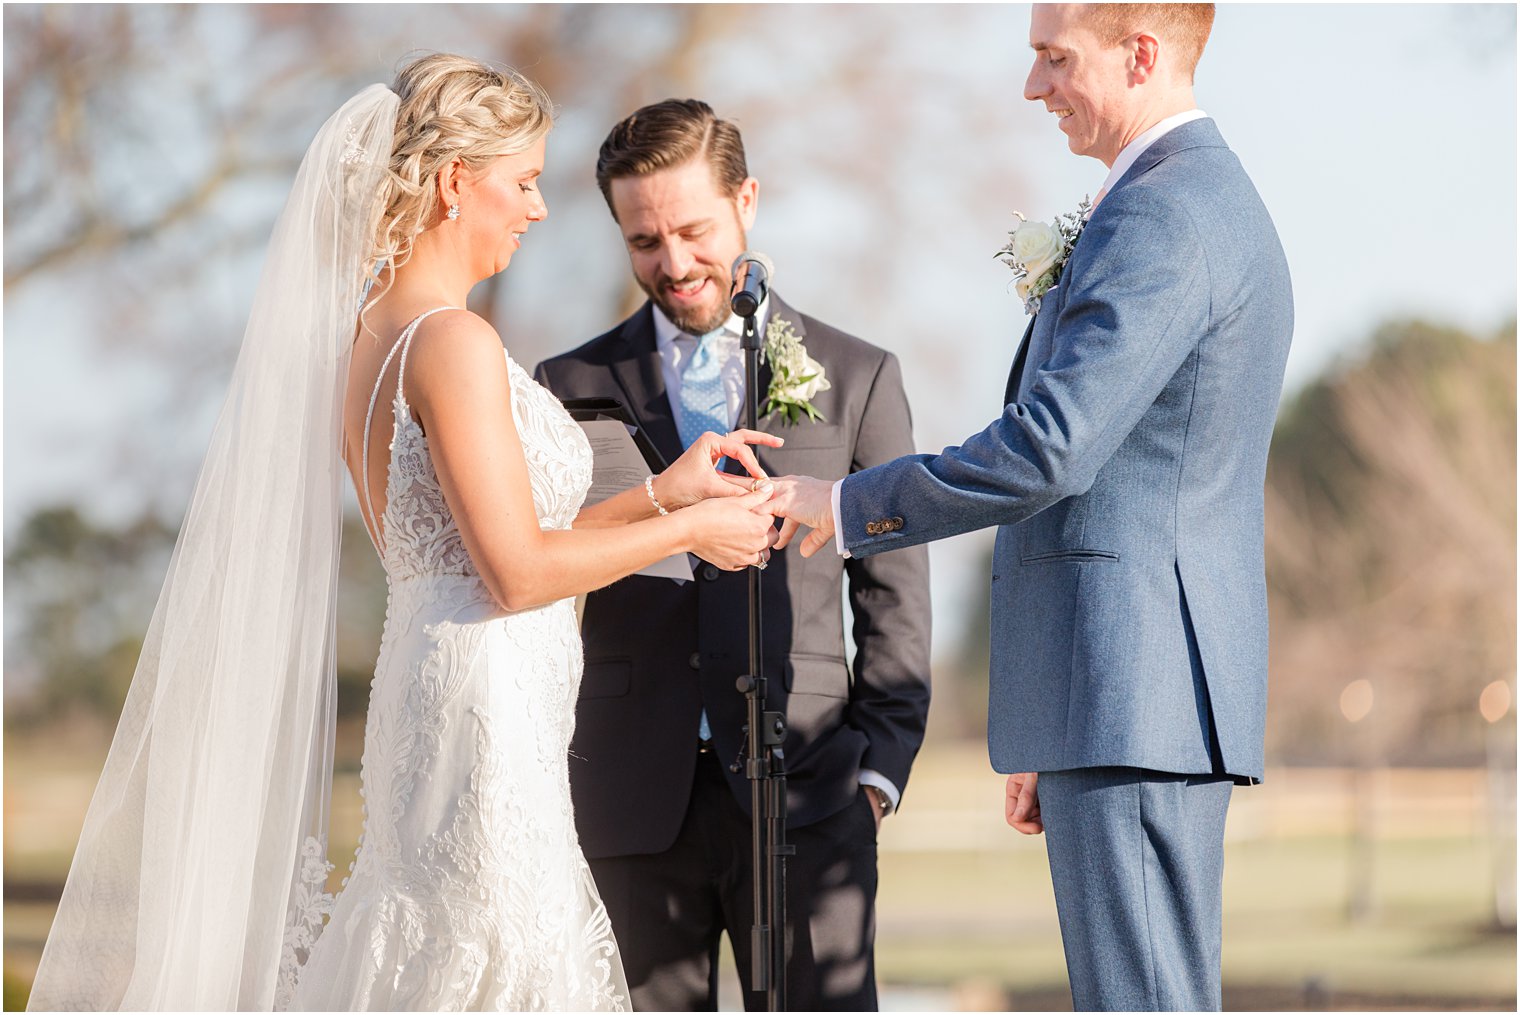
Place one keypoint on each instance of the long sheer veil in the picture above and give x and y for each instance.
(199, 871)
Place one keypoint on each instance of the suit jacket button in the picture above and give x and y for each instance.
(710, 573)
(896, 524)
(695, 660)
(873, 528)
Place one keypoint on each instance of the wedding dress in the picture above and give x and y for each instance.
(198, 882)
(469, 891)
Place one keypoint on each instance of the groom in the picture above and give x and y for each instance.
(1125, 476)
(662, 811)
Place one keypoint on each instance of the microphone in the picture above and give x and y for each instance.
(752, 273)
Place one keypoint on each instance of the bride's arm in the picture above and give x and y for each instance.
(456, 381)
(691, 478)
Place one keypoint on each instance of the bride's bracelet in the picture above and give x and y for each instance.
(649, 489)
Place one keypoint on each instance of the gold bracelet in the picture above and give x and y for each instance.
(649, 489)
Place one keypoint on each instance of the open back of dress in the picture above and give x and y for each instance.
(469, 891)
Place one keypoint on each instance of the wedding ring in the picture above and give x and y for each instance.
(754, 486)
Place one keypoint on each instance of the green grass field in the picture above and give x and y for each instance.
(966, 918)
(977, 910)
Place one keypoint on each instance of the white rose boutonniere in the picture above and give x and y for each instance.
(795, 376)
(1037, 252)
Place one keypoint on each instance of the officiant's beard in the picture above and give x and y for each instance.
(692, 320)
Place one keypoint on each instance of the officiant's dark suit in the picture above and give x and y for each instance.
(662, 817)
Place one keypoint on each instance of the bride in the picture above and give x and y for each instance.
(199, 878)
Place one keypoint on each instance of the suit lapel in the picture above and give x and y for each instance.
(1010, 393)
(642, 378)
(1201, 133)
(780, 311)
(774, 423)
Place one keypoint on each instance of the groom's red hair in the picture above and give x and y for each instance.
(1185, 26)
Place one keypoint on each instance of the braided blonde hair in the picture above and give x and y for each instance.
(452, 107)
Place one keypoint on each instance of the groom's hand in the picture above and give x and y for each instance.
(1021, 808)
(803, 500)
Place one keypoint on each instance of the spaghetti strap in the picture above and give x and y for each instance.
(376, 534)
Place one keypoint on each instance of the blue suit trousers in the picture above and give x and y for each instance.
(1137, 859)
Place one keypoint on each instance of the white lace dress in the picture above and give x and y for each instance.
(469, 891)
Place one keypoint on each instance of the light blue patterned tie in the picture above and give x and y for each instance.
(704, 406)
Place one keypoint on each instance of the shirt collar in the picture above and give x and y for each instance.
(1137, 147)
(666, 333)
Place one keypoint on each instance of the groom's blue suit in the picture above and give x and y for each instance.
(1125, 475)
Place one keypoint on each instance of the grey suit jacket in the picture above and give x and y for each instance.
(657, 653)
(1129, 615)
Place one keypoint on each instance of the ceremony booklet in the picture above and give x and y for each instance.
(621, 457)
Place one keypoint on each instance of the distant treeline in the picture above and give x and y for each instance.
(78, 598)
(1391, 548)
(1390, 558)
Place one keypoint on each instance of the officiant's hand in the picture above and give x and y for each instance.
(1021, 805)
(694, 476)
(803, 500)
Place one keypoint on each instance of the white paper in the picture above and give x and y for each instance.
(616, 465)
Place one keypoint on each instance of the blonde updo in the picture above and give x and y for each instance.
(452, 107)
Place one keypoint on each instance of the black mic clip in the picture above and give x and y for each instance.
(752, 272)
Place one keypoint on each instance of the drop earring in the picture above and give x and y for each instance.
(453, 213)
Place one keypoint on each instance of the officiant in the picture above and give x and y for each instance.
(662, 810)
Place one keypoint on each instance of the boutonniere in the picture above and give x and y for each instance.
(795, 376)
(1037, 252)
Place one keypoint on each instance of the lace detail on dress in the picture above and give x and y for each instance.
(419, 531)
(558, 453)
(311, 905)
(469, 890)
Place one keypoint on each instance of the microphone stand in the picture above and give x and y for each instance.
(763, 765)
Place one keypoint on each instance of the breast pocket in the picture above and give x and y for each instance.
(808, 435)
(811, 449)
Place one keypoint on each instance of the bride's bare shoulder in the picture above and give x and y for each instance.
(455, 348)
(455, 326)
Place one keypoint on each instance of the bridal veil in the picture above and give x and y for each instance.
(199, 868)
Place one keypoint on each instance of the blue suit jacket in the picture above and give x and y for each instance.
(1126, 480)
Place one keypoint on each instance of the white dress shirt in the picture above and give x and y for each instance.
(1127, 157)
(676, 347)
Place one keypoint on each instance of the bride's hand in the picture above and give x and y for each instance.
(732, 532)
(693, 476)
